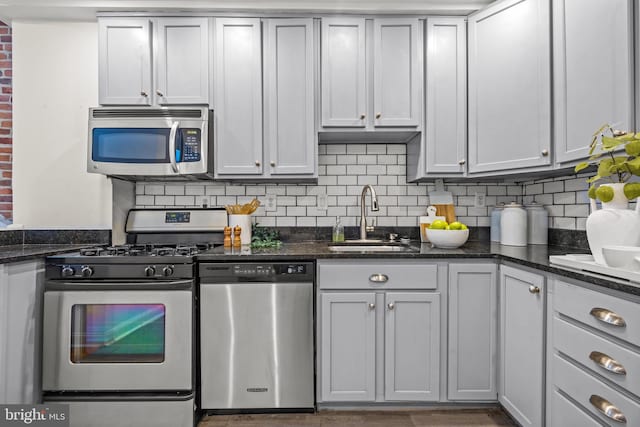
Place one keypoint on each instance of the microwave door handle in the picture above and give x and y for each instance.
(172, 146)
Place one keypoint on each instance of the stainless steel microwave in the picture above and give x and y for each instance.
(147, 143)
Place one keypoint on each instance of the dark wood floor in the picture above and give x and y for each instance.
(373, 418)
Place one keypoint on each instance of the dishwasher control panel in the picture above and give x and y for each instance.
(256, 272)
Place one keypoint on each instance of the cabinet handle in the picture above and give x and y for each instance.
(462, 162)
(607, 409)
(143, 93)
(607, 316)
(378, 278)
(607, 363)
(545, 152)
(362, 116)
(534, 289)
(372, 306)
(257, 162)
(391, 306)
(378, 115)
(159, 93)
(273, 164)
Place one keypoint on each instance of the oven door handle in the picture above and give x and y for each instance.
(115, 284)
(172, 146)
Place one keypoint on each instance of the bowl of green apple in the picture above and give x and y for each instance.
(447, 236)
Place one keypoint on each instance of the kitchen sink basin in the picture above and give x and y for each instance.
(370, 246)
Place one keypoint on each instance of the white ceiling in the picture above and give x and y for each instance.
(83, 10)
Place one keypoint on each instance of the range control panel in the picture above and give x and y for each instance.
(256, 272)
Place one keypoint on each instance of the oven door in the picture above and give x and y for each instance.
(117, 340)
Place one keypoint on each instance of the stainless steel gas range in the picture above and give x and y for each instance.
(119, 323)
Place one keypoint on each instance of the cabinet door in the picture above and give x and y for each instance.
(238, 96)
(348, 346)
(473, 329)
(397, 75)
(509, 86)
(182, 61)
(289, 96)
(593, 77)
(446, 123)
(124, 61)
(522, 356)
(412, 346)
(344, 98)
(20, 331)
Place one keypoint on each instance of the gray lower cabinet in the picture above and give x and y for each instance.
(473, 329)
(594, 359)
(20, 316)
(379, 336)
(522, 357)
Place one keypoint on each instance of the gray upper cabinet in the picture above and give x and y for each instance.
(371, 72)
(238, 96)
(182, 63)
(412, 346)
(593, 72)
(176, 73)
(289, 127)
(124, 57)
(348, 346)
(344, 98)
(510, 87)
(473, 329)
(446, 96)
(522, 351)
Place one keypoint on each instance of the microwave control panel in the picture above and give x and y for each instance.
(191, 145)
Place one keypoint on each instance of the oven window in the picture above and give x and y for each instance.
(130, 145)
(117, 333)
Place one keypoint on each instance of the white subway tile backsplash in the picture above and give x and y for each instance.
(174, 190)
(553, 187)
(376, 149)
(194, 190)
(164, 200)
(185, 201)
(564, 198)
(145, 200)
(357, 149)
(154, 189)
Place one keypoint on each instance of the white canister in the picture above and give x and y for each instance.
(537, 224)
(496, 213)
(244, 221)
(513, 225)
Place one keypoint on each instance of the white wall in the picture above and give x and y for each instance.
(55, 69)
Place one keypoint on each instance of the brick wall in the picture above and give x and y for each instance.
(6, 136)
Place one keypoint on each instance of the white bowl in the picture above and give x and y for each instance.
(621, 256)
(447, 239)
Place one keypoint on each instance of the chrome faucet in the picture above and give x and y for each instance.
(363, 217)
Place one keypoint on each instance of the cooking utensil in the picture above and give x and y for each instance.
(246, 209)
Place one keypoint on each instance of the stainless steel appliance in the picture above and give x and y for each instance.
(118, 334)
(144, 142)
(256, 335)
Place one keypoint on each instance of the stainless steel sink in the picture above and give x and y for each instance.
(370, 245)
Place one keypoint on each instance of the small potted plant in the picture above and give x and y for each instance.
(617, 156)
(613, 164)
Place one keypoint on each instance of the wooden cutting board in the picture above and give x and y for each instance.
(448, 211)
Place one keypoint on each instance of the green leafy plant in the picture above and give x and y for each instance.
(264, 237)
(605, 152)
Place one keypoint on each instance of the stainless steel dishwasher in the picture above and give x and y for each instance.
(256, 336)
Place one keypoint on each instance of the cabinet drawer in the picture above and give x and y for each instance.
(594, 351)
(584, 389)
(373, 274)
(599, 310)
(563, 412)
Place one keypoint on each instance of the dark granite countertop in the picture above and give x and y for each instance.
(15, 253)
(534, 256)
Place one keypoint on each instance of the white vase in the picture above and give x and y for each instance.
(613, 224)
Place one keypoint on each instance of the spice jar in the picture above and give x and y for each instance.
(513, 225)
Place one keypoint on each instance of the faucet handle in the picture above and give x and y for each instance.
(371, 227)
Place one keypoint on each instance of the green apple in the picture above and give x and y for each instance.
(439, 224)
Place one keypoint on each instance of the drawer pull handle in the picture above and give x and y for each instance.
(607, 363)
(534, 289)
(607, 316)
(607, 409)
(378, 278)
(372, 306)
(391, 306)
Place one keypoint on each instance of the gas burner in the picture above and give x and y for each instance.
(163, 251)
(90, 251)
(186, 250)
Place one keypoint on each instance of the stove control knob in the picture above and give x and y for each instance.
(167, 271)
(67, 271)
(87, 271)
(149, 271)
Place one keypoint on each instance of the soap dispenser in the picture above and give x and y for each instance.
(338, 231)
